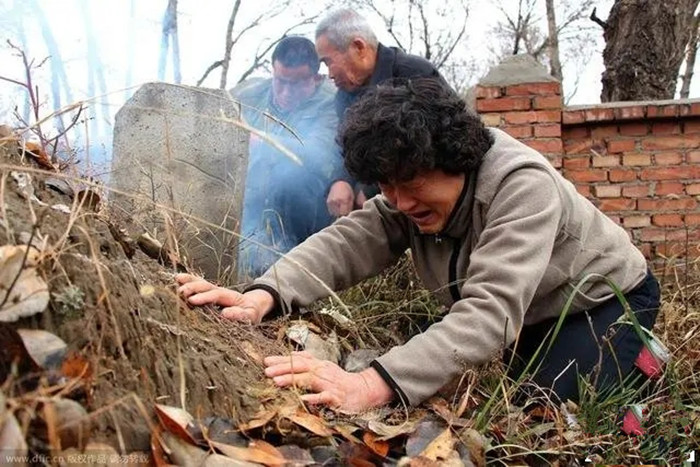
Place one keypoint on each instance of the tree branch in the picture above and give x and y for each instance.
(597, 20)
(211, 68)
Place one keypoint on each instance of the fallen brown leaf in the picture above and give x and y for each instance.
(440, 448)
(175, 420)
(314, 424)
(379, 447)
(260, 419)
(257, 451)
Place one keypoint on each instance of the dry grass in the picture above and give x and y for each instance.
(390, 308)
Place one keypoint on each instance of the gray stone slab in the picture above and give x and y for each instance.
(177, 146)
(517, 69)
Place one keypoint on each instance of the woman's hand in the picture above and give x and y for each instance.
(248, 307)
(328, 383)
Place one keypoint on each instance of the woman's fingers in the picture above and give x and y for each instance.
(245, 315)
(194, 287)
(210, 296)
(183, 278)
(322, 398)
(301, 380)
(285, 365)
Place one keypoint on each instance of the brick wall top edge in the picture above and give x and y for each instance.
(626, 111)
(609, 105)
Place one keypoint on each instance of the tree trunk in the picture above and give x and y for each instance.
(645, 42)
(553, 40)
(229, 45)
(690, 60)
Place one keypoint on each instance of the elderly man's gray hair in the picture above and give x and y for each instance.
(342, 26)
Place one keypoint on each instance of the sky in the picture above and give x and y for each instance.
(122, 39)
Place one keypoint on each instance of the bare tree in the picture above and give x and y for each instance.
(433, 29)
(645, 43)
(566, 42)
(690, 57)
(169, 36)
(236, 31)
(553, 41)
(519, 30)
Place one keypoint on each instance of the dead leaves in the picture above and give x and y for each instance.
(423, 441)
(314, 424)
(176, 421)
(38, 155)
(22, 291)
(257, 451)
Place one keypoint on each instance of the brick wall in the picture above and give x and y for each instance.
(638, 162)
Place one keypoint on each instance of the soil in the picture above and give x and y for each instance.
(144, 345)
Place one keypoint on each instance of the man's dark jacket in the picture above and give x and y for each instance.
(391, 63)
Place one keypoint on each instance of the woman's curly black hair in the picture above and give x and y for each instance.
(404, 127)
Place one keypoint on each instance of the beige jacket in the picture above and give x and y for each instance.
(519, 240)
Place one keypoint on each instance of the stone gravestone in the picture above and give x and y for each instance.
(177, 149)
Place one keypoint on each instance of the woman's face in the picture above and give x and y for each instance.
(428, 199)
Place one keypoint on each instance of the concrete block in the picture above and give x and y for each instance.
(178, 152)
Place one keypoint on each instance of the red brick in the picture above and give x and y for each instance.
(503, 104)
(668, 158)
(636, 191)
(693, 189)
(645, 248)
(578, 146)
(691, 126)
(585, 190)
(695, 109)
(671, 142)
(666, 128)
(622, 175)
(493, 120)
(654, 111)
(547, 116)
(569, 117)
(670, 173)
(634, 129)
(683, 204)
(519, 118)
(694, 157)
(604, 131)
(621, 145)
(522, 131)
(692, 219)
(606, 161)
(579, 176)
(617, 204)
(677, 249)
(635, 112)
(607, 191)
(547, 102)
(577, 162)
(548, 131)
(651, 234)
(598, 114)
(575, 132)
(669, 188)
(684, 110)
(635, 222)
(667, 220)
(636, 160)
(537, 89)
(488, 92)
(546, 146)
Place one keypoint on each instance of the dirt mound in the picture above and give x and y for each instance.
(117, 310)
